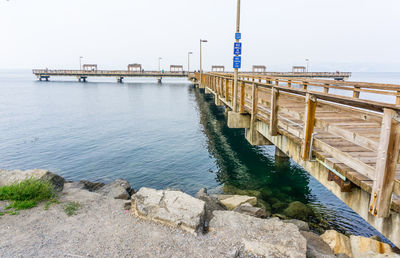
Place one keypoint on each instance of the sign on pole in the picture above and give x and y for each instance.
(237, 62)
(237, 48)
(238, 35)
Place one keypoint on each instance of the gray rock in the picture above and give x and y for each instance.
(342, 256)
(260, 237)
(87, 185)
(316, 247)
(298, 210)
(252, 211)
(212, 204)
(16, 176)
(201, 193)
(299, 223)
(173, 208)
(127, 205)
(118, 189)
(118, 192)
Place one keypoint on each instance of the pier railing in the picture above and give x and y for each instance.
(103, 72)
(302, 108)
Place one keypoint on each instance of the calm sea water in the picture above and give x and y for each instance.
(153, 135)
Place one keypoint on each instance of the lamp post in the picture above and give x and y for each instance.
(80, 62)
(307, 60)
(236, 73)
(159, 64)
(201, 64)
(189, 53)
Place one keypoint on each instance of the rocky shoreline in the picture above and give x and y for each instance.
(241, 222)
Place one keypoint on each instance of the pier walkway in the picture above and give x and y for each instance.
(349, 143)
(82, 75)
(340, 76)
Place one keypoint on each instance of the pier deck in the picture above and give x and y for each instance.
(82, 75)
(349, 144)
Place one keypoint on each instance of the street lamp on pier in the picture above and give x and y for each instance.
(308, 61)
(201, 64)
(80, 62)
(159, 64)
(189, 53)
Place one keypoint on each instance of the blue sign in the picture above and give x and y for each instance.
(237, 59)
(238, 35)
(237, 62)
(236, 65)
(237, 48)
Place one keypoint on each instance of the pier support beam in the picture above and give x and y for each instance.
(255, 138)
(45, 77)
(237, 120)
(82, 78)
(281, 157)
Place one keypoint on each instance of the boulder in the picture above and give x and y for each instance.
(252, 211)
(298, 210)
(260, 237)
(87, 185)
(212, 204)
(201, 193)
(236, 200)
(301, 225)
(173, 208)
(367, 247)
(339, 243)
(118, 189)
(316, 247)
(16, 176)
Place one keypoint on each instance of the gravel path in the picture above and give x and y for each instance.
(100, 229)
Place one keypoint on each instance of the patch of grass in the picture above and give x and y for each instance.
(71, 208)
(50, 202)
(12, 212)
(1, 213)
(27, 194)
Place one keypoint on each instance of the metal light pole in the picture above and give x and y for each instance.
(80, 62)
(201, 64)
(159, 64)
(307, 60)
(236, 74)
(189, 53)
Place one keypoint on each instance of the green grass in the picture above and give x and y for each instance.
(50, 202)
(71, 208)
(26, 194)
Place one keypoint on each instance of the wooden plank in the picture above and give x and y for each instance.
(273, 124)
(309, 122)
(388, 154)
(345, 158)
(226, 90)
(242, 97)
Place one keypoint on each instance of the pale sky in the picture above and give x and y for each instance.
(346, 35)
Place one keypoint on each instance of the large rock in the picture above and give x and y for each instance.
(316, 247)
(252, 211)
(233, 201)
(300, 224)
(367, 247)
(339, 243)
(261, 237)
(16, 176)
(298, 210)
(212, 204)
(118, 189)
(173, 208)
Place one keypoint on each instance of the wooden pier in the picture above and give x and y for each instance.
(82, 75)
(339, 76)
(349, 144)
